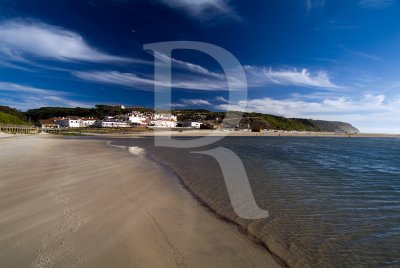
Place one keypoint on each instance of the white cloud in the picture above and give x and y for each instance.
(221, 99)
(26, 97)
(367, 56)
(370, 113)
(188, 66)
(314, 4)
(11, 87)
(142, 83)
(361, 54)
(261, 76)
(7, 64)
(294, 107)
(200, 8)
(19, 39)
(206, 80)
(195, 102)
(379, 4)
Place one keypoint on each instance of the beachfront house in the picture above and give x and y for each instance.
(191, 124)
(163, 123)
(166, 117)
(88, 121)
(48, 123)
(112, 123)
(74, 121)
(138, 119)
(163, 120)
(70, 122)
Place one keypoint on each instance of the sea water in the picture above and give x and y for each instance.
(332, 202)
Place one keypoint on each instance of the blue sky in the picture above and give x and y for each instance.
(321, 59)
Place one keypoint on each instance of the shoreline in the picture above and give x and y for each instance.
(216, 133)
(88, 207)
(218, 215)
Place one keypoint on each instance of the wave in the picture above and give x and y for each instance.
(223, 215)
(109, 143)
(135, 150)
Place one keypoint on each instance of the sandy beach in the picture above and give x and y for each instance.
(80, 203)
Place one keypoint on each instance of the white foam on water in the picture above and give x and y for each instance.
(118, 146)
(136, 150)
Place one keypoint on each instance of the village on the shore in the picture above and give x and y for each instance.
(128, 120)
(122, 119)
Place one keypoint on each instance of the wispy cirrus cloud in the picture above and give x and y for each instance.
(361, 54)
(314, 4)
(26, 97)
(22, 39)
(294, 107)
(193, 102)
(221, 99)
(379, 4)
(203, 8)
(261, 76)
(207, 80)
(188, 66)
(367, 56)
(18, 88)
(131, 80)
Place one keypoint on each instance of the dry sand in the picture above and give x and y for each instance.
(81, 203)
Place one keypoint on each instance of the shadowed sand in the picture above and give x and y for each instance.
(66, 202)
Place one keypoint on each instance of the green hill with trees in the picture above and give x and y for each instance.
(14, 112)
(99, 111)
(209, 118)
(11, 119)
(265, 121)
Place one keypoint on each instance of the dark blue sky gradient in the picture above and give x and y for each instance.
(349, 49)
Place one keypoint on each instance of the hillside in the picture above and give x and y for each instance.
(265, 121)
(14, 112)
(332, 126)
(99, 111)
(209, 118)
(299, 124)
(11, 119)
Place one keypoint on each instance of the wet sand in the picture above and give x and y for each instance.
(80, 203)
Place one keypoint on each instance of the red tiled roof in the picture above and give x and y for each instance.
(73, 118)
(89, 118)
(47, 122)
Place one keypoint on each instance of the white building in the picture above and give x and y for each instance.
(192, 124)
(49, 123)
(168, 117)
(163, 123)
(195, 124)
(75, 121)
(114, 124)
(138, 119)
(88, 122)
(69, 122)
